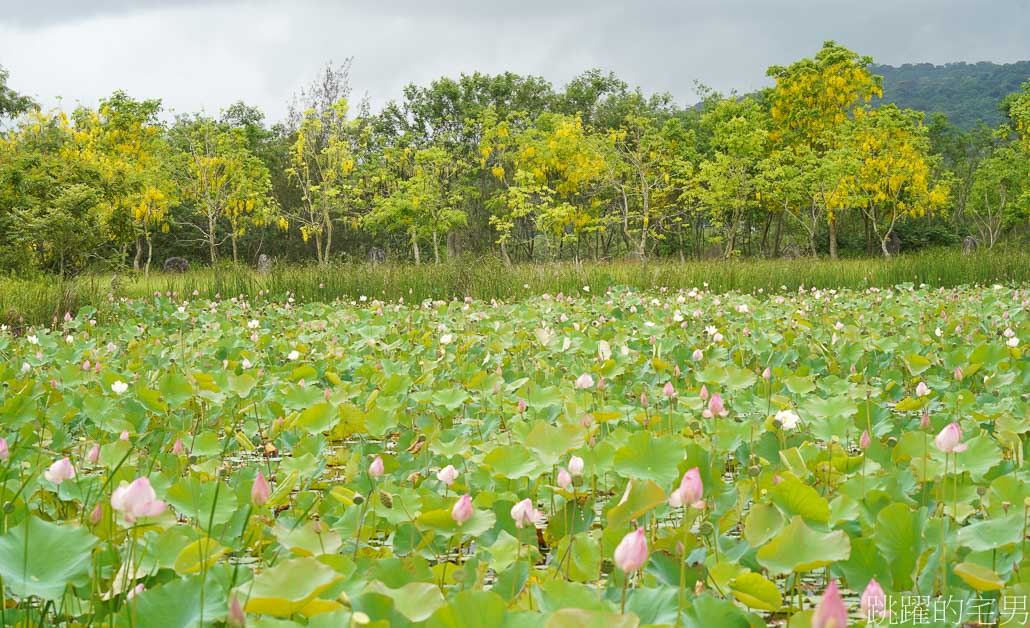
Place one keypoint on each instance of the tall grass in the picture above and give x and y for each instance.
(25, 303)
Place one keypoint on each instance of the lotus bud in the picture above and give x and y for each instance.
(564, 479)
(91, 456)
(237, 618)
(576, 465)
(260, 491)
(376, 469)
(864, 441)
(631, 553)
(462, 510)
(830, 612)
(949, 439)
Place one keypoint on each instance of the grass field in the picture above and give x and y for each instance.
(40, 301)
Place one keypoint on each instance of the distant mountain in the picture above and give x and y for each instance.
(966, 92)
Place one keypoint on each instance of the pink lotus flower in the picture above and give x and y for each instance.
(98, 512)
(830, 612)
(585, 381)
(698, 355)
(949, 440)
(521, 406)
(462, 510)
(260, 491)
(669, 390)
(447, 475)
(715, 407)
(136, 590)
(690, 491)
(644, 403)
(564, 479)
(94, 454)
(524, 513)
(703, 394)
(177, 448)
(376, 469)
(576, 465)
(124, 435)
(631, 553)
(864, 441)
(922, 389)
(137, 499)
(5, 453)
(874, 601)
(60, 471)
(767, 374)
(924, 421)
(958, 374)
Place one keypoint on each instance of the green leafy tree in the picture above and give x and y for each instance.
(423, 203)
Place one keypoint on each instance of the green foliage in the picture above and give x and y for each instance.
(309, 392)
(508, 165)
(967, 93)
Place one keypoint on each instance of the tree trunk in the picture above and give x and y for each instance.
(150, 256)
(833, 239)
(436, 248)
(414, 248)
(235, 253)
(139, 254)
(504, 254)
(212, 243)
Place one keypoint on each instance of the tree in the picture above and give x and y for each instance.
(893, 176)
(549, 171)
(50, 196)
(1000, 194)
(322, 162)
(127, 140)
(423, 203)
(12, 104)
(642, 162)
(727, 179)
(223, 180)
(812, 100)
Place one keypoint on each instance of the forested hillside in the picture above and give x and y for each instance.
(966, 92)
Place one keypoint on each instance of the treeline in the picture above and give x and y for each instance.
(508, 165)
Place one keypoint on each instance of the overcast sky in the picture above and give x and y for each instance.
(197, 54)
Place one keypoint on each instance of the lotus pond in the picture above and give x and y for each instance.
(619, 459)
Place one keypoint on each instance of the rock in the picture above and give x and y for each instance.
(264, 264)
(176, 265)
(969, 245)
(376, 255)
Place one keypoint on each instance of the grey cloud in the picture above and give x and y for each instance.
(197, 54)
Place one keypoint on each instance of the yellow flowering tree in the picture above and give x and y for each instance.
(892, 178)
(322, 164)
(812, 101)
